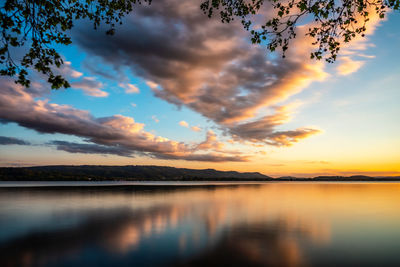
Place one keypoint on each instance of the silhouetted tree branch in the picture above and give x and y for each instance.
(330, 23)
(42, 24)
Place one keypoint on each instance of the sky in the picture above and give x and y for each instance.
(175, 88)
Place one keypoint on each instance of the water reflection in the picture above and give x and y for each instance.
(247, 225)
(265, 245)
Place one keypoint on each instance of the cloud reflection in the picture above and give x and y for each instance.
(247, 225)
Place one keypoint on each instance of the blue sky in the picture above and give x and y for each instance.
(315, 119)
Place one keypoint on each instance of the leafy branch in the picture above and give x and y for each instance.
(42, 24)
(333, 22)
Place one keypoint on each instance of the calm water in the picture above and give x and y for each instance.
(272, 224)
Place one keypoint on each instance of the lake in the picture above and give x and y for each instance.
(197, 224)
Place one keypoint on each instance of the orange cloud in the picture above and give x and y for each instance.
(195, 129)
(116, 134)
(184, 124)
(347, 65)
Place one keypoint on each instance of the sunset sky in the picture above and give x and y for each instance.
(175, 88)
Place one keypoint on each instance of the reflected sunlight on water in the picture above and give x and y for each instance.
(272, 224)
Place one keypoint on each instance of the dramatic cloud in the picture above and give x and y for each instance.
(262, 130)
(4, 140)
(186, 59)
(189, 59)
(90, 86)
(122, 135)
(212, 68)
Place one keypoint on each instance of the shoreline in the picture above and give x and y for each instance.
(137, 184)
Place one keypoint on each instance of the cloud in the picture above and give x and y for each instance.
(186, 59)
(195, 129)
(211, 157)
(287, 138)
(210, 67)
(94, 66)
(264, 130)
(91, 148)
(5, 140)
(211, 142)
(129, 88)
(184, 124)
(90, 87)
(119, 133)
(152, 85)
(347, 66)
(366, 56)
(67, 71)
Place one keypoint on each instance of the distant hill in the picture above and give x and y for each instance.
(152, 173)
(127, 173)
